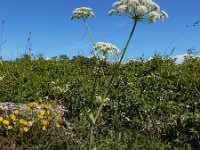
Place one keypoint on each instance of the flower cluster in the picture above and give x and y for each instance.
(102, 49)
(40, 114)
(139, 10)
(99, 99)
(82, 12)
(58, 89)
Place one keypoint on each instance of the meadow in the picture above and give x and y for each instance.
(91, 103)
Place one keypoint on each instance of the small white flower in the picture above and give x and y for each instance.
(1, 78)
(122, 8)
(142, 9)
(153, 16)
(133, 2)
(82, 12)
(117, 4)
(164, 14)
(111, 12)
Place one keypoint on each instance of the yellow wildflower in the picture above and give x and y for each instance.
(44, 128)
(48, 112)
(42, 111)
(26, 129)
(6, 122)
(40, 116)
(48, 105)
(24, 122)
(33, 104)
(9, 127)
(1, 119)
(12, 116)
(58, 125)
(49, 117)
(40, 100)
(30, 109)
(44, 122)
(16, 112)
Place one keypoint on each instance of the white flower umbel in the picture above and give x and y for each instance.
(82, 12)
(102, 49)
(138, 10)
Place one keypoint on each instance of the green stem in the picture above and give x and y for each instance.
(115, 72)
(91, 137)
(88, 30)
(96, 70)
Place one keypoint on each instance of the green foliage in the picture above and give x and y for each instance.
(154, 104)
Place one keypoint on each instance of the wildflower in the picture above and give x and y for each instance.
(1, 78)
(40, 100)
(41, 116)
(24, 122)
(42, 111)
(48, 112)
(44, 128)
(6, 122)
(30, 123)
(99, 99)
(16, 112)
(48, 105)
(58, 125)
(82, 12)
(101, 48)
(138, 10)
(9, 127)
(12, 116)
(33, 104)
(25, 129)
(44, 122)
(1, 119)
(30, 109)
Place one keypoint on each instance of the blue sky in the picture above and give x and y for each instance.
(53, 33)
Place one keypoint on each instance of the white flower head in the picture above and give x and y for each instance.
(101, 49)
(82, 12)
(138, 10)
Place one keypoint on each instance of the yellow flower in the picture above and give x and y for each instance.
(44, 128)
(1, 119)
(49, 117)
(6, 122)
(48, 112)
(44, 122)
(33, 104)
(58, 125)
(40, 100)
(40, 116)
(30, 109)
(42, 111)
(48, 105)
(24, 122)
(16, 112)
(26, 129)
(13, 117)
(9, 127)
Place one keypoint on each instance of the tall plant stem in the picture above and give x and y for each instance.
(88, 30)
(108, 86)
(97, 68)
